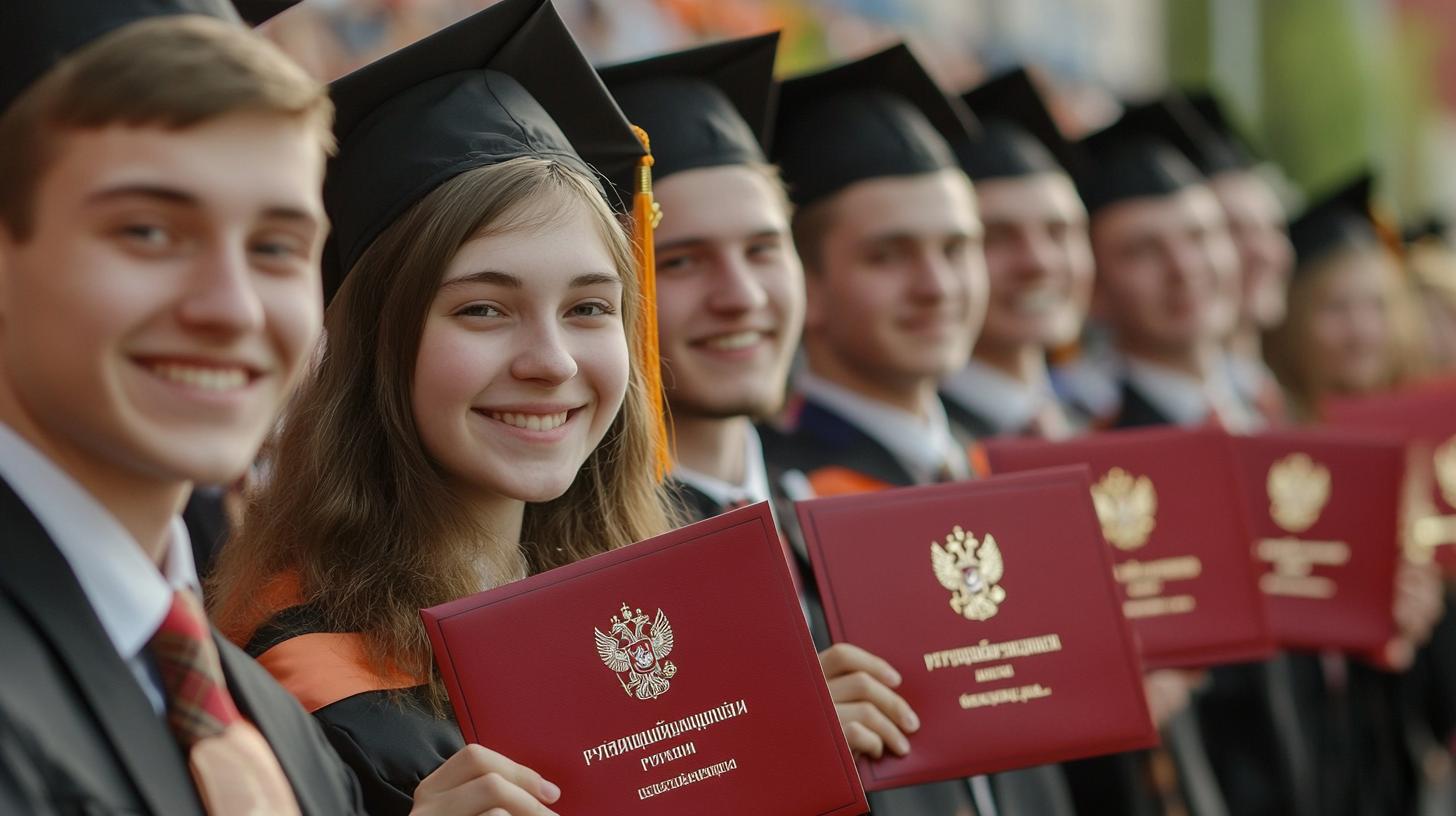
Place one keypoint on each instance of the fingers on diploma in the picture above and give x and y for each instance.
(846, 658)
(869, 732)
(477, 780)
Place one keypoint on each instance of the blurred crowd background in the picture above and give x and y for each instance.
(1324, 87)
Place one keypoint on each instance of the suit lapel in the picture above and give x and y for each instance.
(37, 576)
(1138, 411)
(848, 446)
(280, 730)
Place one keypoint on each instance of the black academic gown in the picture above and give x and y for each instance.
(1250, 733)
(78, 734)
(820, 438)
(391, 739)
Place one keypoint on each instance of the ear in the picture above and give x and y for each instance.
(8, 247)
(816, 291)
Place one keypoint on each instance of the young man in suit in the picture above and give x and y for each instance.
(730, 304)
(1038, 260)
(160, 231)
(1167, 273)
(895, 278)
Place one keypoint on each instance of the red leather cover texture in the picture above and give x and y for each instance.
(709, 700)
(1173, 513)
(1325, 513)
(993, 599)
(1424, 416)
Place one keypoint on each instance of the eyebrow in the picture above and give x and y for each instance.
(491, 277)
(171, 195)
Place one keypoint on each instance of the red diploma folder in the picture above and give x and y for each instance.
(993, 601)
(1325, 513)
(1424, 416)
(674, 676)
(1171, 508)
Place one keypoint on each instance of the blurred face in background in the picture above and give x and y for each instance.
(1166, 272)
(898, 291)
(1341, 316)
(1256, 222)
(730, 291)
(1038, 261)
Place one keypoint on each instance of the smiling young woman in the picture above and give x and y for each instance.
(480, 410)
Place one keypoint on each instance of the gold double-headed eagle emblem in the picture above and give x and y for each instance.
(1299, 489)
(1127, 507)
(972, 572)
(636, 651)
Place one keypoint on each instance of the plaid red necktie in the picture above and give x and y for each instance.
(232, 765)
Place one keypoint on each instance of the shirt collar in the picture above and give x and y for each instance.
(752, 490)
(921, 446)
(1007, 403)
(126, 590)
(1187, 400)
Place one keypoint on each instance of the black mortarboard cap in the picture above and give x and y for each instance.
(258, 12)
(879, 116)
(1215, 145)
(505, 83)
(36, 34)
(1018, 136)
(703, 107)
(1137, 157)
(1340, 219)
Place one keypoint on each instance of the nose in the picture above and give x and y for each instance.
(932, 277)
(222, 296)
(544, 356)
(738, 290)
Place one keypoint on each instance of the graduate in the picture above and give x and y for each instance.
(1257, 222)
(1038, 260)
(1340, 336)
(483, 406)
(730, 302)
(886, 225)
(159, 294)
(1166, 287)
(1167, 273)
(1339, 339)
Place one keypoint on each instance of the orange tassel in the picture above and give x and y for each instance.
(645, 215)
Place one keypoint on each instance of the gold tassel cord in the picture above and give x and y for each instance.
(645, 216)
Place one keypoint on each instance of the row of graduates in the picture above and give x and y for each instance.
(487, 400)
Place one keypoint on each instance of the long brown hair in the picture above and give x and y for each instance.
(354, 508)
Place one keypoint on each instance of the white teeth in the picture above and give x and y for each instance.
(531, 422)
(733, 342)
(205, 379)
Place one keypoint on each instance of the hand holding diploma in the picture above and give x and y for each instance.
(477, 780)
(873, 716)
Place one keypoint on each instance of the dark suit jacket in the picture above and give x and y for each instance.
(77, 733)
(1136, 411)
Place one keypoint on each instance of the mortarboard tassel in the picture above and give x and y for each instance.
(645, 215)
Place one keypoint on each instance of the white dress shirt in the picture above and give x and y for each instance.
(129, 594)
(921, 446)
(1008, 404)
(752, 490)
(1188, 401)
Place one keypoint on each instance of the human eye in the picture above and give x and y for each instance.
(478, 310)
(592, 308)
(145, 236)
(279, 250)
(764, 249)
(676, 263)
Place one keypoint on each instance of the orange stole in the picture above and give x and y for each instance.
(318, 668)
